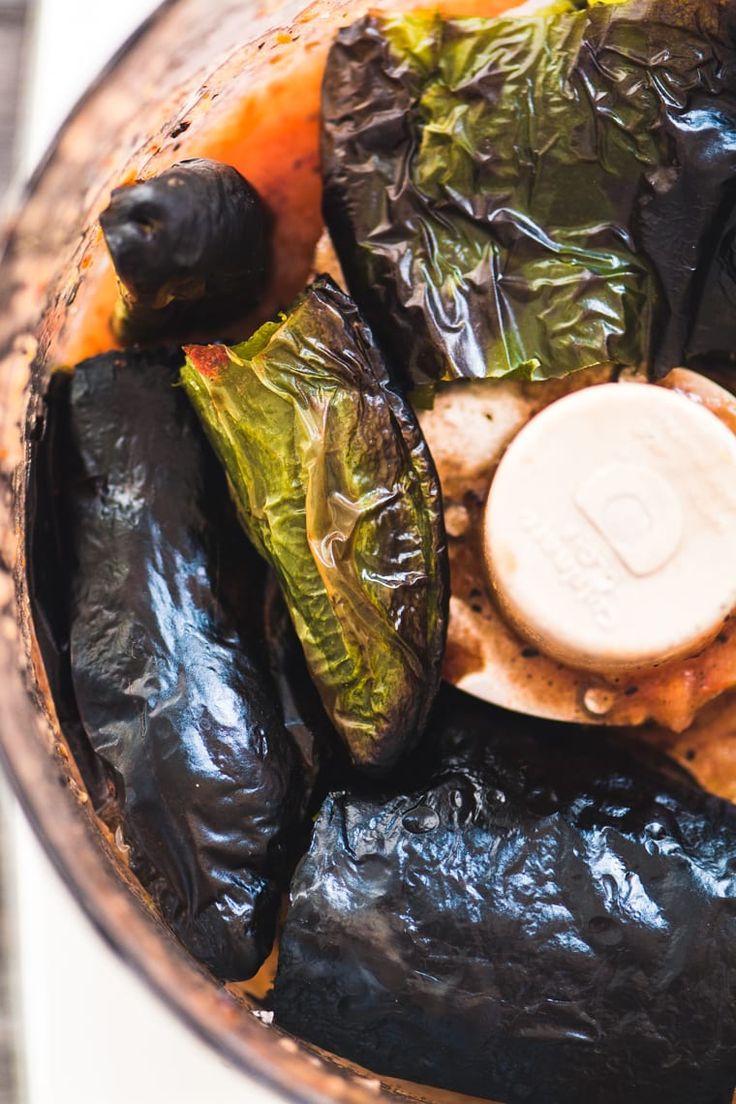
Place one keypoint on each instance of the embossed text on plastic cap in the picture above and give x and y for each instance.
(611, 527)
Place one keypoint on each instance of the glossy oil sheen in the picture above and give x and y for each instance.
(337, 490)
(537, 194)
(534, 913)
(168, 663)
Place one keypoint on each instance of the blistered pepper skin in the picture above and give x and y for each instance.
(536, 914)
(191, 248)
(168, 663)
(336, 488)
(537, 193)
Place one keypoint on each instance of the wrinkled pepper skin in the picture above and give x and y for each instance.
(168, 662)
(191, 249)
(537, 915)
(336, 489)
(49, 559)
(325, 762)
(532, 195)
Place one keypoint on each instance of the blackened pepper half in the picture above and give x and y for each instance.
(538, 914)
(537, 193)
(191, 249)
(168, 664)
(337, 490)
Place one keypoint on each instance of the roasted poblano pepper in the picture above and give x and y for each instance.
(325, 763)
(168, 663)
(337, 490)
(540, 193)
(533, 914)
(191, 249)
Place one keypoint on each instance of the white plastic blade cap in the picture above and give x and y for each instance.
(610, 530)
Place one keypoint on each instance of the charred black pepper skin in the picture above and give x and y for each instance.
(191, 249)
(168, 662)
(49, 571)
(538, 915)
